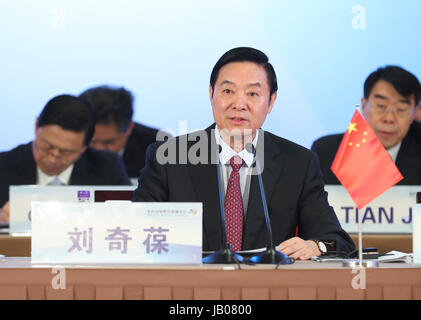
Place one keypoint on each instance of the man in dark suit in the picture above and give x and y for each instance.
(59, 154)
(114, 129)
(391, 95)
(242, 91)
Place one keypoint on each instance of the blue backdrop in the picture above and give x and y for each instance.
(164, 51)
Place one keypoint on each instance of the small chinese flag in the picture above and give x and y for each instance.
(362, 164)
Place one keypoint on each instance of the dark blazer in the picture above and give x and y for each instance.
(408, 159)
(18, 167)
(292, 183)
(135, 150)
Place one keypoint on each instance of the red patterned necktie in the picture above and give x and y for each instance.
(234, 212)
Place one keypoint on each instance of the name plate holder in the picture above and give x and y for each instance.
(116, 232)
(390, 213)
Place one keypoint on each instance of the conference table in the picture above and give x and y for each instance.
(20, 279)
(20, 246)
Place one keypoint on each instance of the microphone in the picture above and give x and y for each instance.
(271, 255)
(225, 254)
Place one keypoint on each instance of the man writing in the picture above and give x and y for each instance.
(242, 91)
(59, 154)
(391, 96)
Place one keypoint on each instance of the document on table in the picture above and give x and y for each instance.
(396, 256)
(392, 256)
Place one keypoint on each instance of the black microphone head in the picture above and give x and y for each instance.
(250, 148)
(219, 148)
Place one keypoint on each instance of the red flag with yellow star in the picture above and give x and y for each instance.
(362, 164)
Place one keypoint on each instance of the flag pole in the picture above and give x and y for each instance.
(360, 241)
(360, 225)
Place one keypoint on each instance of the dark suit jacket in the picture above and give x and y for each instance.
(292, 183)
(18, 167)
(408, 159)
(135, 150)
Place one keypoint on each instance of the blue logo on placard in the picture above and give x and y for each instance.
(83, 195)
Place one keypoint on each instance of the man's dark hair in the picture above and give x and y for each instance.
(112, 106)
(246, 54)
(402, 80)
(69, 113)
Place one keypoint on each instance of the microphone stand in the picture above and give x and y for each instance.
(271, 255)
(224, 255)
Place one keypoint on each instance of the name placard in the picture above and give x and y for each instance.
(391, 212)
(22, 196)
(117, 232)
(416, 235)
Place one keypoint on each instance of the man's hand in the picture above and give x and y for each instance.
(4, 213)
(299, 249)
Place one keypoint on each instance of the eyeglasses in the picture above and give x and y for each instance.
(399, 111)
(47, 147)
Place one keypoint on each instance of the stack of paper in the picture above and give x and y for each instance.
(396, 256)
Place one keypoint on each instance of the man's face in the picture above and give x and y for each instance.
(388, 113)
(241, 98)
(55, 149)
(107, 137)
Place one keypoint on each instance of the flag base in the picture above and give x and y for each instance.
(355, 263)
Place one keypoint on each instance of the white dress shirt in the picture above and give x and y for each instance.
(245, 171)
(393, 152)
(44, 179)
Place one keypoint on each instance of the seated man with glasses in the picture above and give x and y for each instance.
(60, 155)
(391, 96)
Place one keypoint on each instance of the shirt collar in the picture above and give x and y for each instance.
(393, 152)
(227, 152)
(44, 179)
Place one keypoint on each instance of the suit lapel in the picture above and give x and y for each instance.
(407, 159)
(27, 168)
(272, 167)
(205, 183)
(80, 173)
(271, 164)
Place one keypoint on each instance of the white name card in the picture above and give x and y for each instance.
(391, 212)
(22, 196)
(416, 235)
(117, 232)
